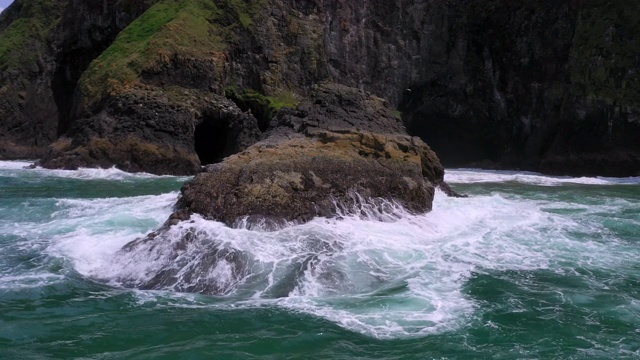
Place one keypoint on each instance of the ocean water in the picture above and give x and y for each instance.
(529, 266)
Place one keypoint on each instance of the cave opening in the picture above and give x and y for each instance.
(212, 141)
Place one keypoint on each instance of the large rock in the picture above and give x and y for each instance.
(342, 151)
(339, 146)
(159, 132)
(295, 178)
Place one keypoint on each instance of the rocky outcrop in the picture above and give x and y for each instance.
(45, 46)
(544, 86)
(159, 132)
(340, 151)
(338, 147)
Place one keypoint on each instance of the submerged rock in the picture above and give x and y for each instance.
(183, 260)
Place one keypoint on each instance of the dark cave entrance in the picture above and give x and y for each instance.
(211, 141)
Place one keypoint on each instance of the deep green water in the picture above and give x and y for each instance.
(528, 267)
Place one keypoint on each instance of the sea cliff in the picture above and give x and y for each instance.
(536, 85)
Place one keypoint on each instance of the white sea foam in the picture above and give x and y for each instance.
(105, 174)
(90, 231)
(15, 164)
(21, 168)
(32, 280)
(471, 176)
(377, 270)
(383, 274)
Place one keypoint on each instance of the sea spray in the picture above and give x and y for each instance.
(380, 271)
(520, 262)
(470, 176)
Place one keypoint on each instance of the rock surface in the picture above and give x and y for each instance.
(340, 146)
(45, 46)
(537, 85)
(156, 132)
(341, 151)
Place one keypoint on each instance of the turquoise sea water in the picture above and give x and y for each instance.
(528, 267)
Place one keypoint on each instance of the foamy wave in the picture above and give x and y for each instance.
(90, 231)
(81, 173)
(379, 271)
(472, 176)
(29, 281)
(111, 209)
(104, 174)
(375, 268)
(15, 164)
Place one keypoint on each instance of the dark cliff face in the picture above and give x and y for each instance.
(546, 86)
(537, 85)
(44, 48)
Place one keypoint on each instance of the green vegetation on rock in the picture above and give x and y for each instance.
(24, 41)
(262, 106)
(245, 11)
(185, 28)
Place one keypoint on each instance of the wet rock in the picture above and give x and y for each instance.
(337, 146)
(186, 260)
(341, 148)
(159, 132)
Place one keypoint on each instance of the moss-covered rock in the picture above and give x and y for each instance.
(339, 147)
(44, 48)
(26, 31)
(263, 107)
(169, 28)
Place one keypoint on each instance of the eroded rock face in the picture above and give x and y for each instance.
(155, 131)
(47, 45)
(340, 149)
(338, 145)
(295, 178)
(485, 83)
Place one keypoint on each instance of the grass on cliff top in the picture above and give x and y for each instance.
(24, 41)
(168, 27)
(187, 28)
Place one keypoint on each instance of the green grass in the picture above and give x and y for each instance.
(188, 28)
(24, 41)
(259, 103)
(245, 10)
(170, 27)
(263, 107)
(283, 99)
